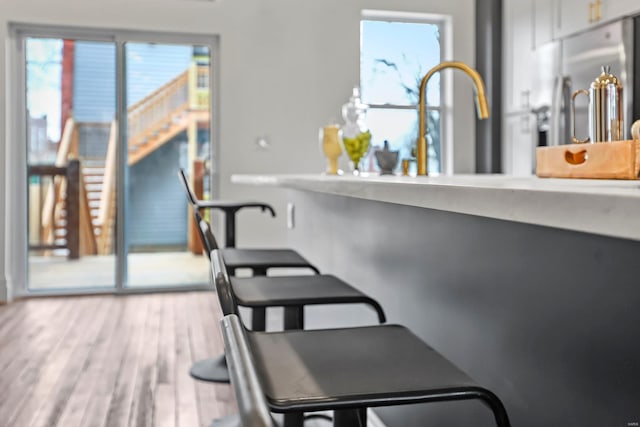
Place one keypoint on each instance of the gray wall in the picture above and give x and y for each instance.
(546, 318)
(285, 68)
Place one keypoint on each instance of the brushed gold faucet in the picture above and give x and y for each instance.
(481, 105)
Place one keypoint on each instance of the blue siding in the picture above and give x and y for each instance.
(157, 204)
(94, 82)
(149, 66)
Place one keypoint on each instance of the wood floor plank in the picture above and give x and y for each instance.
(56, 365)
(9, 314)
(164, 406)
(202, 348)
(146, 378)
(37, 358)
(211, 313)
(165, 401)
(123, 394)
(26, 320)
(110, 361)
(98, 331)
(186, 398)
(30, 334)
(100, 371)
(110, 399)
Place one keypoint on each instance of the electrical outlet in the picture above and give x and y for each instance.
(291, 216)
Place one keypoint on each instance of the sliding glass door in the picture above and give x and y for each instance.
(110, 118)
(71, 168)
(168, 127)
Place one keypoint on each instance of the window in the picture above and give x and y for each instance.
(397, 50)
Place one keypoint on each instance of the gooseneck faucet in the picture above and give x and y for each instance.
(481, 105)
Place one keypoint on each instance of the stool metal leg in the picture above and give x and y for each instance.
(259, 319)
(211, 370)
(260, 271)
(230, 421)
(259, 314)
(350, 418)
(293, 317)
(293, 420)
(230, 228)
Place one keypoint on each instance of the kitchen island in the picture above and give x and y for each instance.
(530, 285)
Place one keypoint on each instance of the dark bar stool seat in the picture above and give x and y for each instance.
(296, 292)
(346, 370)
(260, 260)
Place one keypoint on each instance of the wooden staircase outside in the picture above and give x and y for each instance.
(167, 112)
(54, 230)
(175, 107)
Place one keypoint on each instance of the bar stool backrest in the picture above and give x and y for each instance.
(206, 235)
(220, 279)
(187, 187)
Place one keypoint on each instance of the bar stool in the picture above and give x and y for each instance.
(259, 261)
(229, 208)
(335, 369)
(291, 292)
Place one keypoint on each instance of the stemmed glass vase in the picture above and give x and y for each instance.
(356, 137)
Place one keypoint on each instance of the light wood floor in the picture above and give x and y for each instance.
(110, 361)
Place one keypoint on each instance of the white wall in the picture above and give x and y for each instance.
(286, 66)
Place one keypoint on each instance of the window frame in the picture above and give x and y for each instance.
(17, 265)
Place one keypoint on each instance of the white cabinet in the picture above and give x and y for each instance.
(578, 15)
(619, 8)
(544, 17)
(575, 15)
(518, 139)
(518, 44)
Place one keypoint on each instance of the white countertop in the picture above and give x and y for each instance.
(606, 207)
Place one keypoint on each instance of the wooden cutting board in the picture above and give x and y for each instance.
(604, 160)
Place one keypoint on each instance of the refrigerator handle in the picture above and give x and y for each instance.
(560, 111)
(567, 114)
(556, 106)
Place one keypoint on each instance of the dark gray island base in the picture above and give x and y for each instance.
(549, 319)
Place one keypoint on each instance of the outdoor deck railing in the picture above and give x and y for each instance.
(71, 175)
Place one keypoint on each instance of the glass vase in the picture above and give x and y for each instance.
(330, 146)
(356, 137)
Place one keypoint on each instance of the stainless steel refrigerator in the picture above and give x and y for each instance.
(564, 66)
